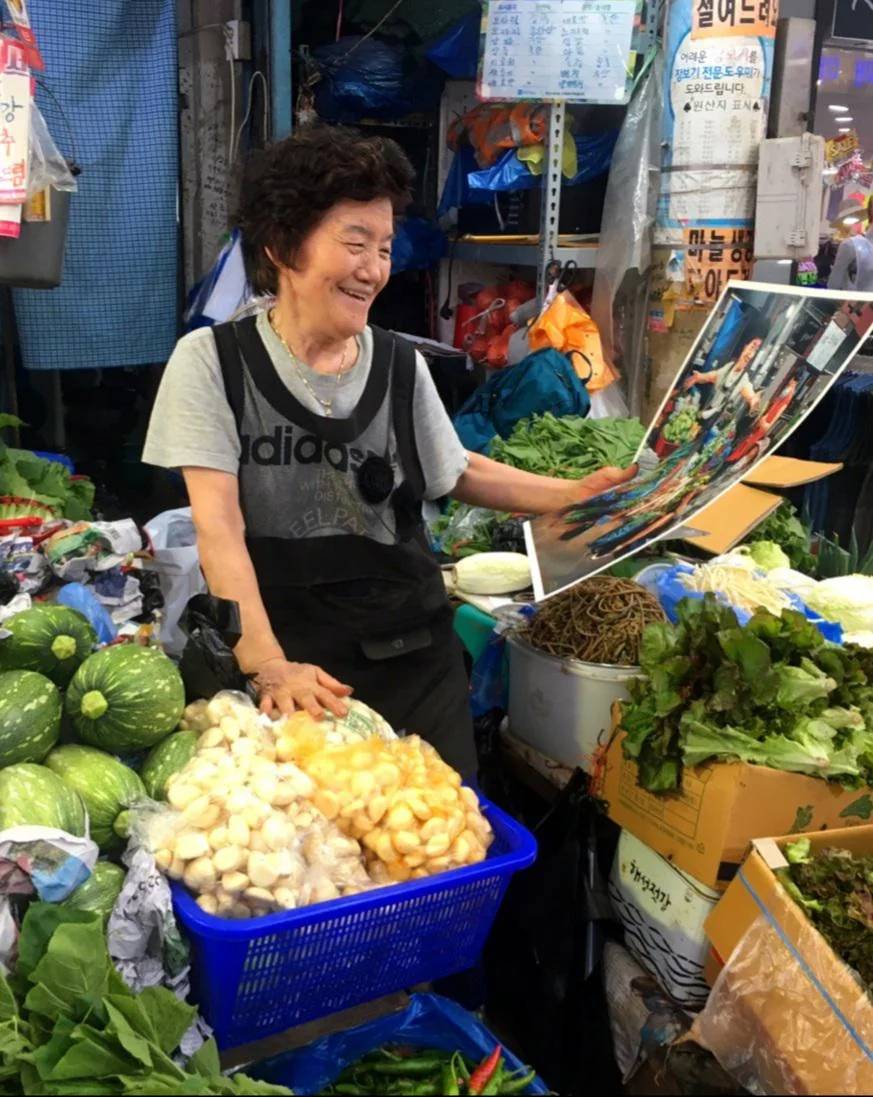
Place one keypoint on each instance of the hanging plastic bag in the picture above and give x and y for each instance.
(629, 208)
(418, 245)
(364, 76)
(457, 51)
(567, 327)
(208, 663)
(48, 168)
(177, 562)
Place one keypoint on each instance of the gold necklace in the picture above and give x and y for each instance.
(326, 405)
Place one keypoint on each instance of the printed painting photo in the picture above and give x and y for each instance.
(765, 357)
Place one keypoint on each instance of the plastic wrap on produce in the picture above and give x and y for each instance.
(144, 940)
(774, 1027)
(629, 209)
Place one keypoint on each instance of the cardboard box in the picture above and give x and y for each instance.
(706, 827)
(810, 986)
(734, 515)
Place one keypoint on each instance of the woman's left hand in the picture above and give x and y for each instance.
(580, 491)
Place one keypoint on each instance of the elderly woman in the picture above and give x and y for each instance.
(308, 440)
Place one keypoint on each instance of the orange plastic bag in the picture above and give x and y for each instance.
(567, 327)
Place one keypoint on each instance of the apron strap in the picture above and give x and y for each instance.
(230, 361)
(407, 497)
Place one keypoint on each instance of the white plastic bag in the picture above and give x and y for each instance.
(178, 565)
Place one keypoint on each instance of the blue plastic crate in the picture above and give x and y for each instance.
(254, 978)
(429, 1021)
(59, 458)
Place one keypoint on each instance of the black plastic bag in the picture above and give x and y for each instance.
(208, 663)
(8, 587)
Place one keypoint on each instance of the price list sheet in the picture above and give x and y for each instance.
(576, 50)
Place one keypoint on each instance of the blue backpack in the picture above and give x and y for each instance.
(544, 381)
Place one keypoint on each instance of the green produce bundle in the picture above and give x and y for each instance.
(69, 1024)
(570, 447)
(772, 692)
(835, 889)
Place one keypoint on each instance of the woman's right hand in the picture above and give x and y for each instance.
(288, 687)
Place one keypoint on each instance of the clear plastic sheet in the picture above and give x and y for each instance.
(48, 168)
(629, 209)
(776, 1025)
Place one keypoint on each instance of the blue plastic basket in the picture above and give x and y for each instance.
(429, 1021)
(254, 978)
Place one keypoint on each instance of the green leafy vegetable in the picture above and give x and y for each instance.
(835, 889)
(70, 1025)
(40, 486)
(785, 529)
(772, 693)
(768, 555)
(570, 447)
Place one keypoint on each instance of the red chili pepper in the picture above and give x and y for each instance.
(481, 1076)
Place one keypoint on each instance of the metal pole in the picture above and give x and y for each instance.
(280, 68)
(550, 217)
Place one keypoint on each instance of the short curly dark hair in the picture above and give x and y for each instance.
(287, 188)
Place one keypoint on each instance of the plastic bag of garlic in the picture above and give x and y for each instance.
(267, 815)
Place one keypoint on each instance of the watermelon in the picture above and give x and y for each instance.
(125, 698)
(167, 758)
(30, 716)
(54, 640)
(107, 787)
(34, 796)
(99, 892)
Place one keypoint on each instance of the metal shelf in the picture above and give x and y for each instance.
(524, 255)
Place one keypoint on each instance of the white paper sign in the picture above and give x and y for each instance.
(577, 50)
(14, 128)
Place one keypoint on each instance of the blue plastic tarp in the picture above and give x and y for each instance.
(668, 588)
(430, 1021)
(467, 184)
(457, 51)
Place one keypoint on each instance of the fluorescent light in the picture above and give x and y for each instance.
(845, 118)
(838, 110)
(784, 262)
(844, 129)
(851, 220)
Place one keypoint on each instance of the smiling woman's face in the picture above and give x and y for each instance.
(340, 267)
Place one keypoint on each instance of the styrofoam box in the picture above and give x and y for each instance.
(662, 911)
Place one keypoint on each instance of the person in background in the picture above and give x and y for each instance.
(308, 440)
(853, 266)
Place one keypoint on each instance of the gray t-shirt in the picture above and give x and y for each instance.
(192, 423)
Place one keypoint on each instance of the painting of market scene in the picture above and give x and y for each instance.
(764, 359)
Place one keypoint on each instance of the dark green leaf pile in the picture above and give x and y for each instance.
(69, 1024)
(772, 693)
(835, 889)
(570, 447)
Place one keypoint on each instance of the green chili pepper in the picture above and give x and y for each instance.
(449, 1080)
(424, 1064)
(495, 1082)
(518, 1084)
(462, 1066)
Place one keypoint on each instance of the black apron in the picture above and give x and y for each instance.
(374, 616)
